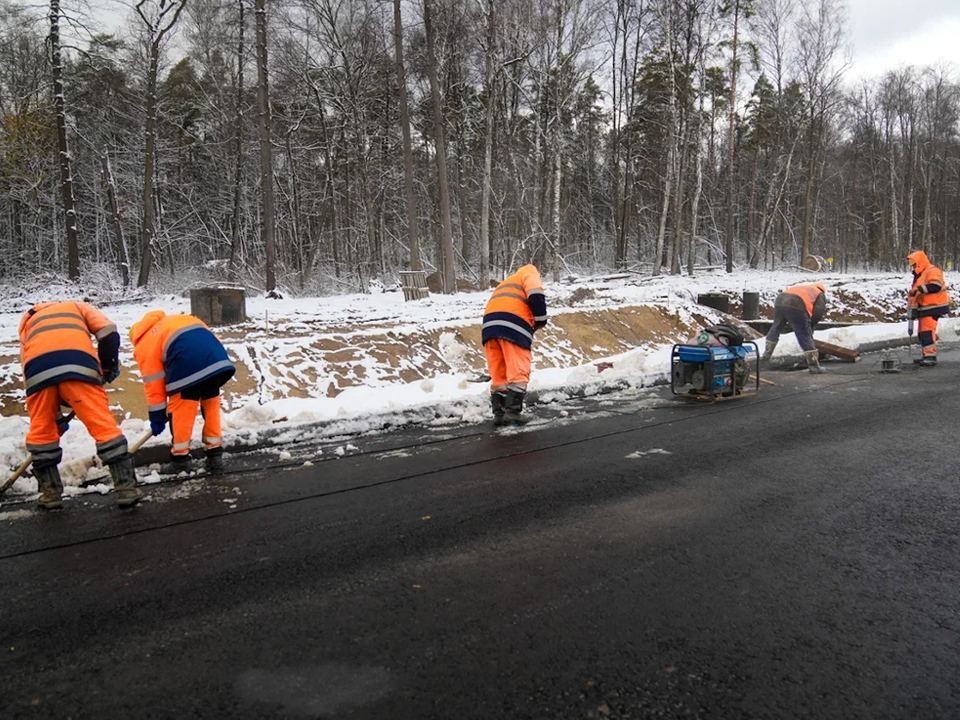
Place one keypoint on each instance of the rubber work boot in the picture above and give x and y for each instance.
(178, 464)
(497, 401)
(125, 481)
(50, 487)
(214, 461)
(928, 361)
(768, 349)
(513, 407)
(813, 362)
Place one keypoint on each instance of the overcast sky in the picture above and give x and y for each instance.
(883, 34)
(886, 34)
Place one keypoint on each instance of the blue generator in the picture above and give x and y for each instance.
(714, 370)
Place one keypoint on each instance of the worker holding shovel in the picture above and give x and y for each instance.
(927, 301)
(62, 371)
(183, 366)
(515, 311)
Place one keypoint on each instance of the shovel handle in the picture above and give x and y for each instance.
(17, 473)
(140, 441)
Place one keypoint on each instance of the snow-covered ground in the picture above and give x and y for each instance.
(351, 364)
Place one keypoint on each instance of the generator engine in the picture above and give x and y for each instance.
(718, 362)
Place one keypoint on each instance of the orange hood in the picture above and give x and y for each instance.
(142, 326)
(918, 260)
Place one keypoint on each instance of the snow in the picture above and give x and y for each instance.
(652, 451)
(317, 366)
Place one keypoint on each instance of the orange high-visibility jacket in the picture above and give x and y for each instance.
(929, 286)
(516, 309)
(811, 297)
(55, 343)
(176, 352)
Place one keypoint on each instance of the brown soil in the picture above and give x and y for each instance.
(570, 339)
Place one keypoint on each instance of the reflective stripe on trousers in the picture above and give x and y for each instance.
(183, 416)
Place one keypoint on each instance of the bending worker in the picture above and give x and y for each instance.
(929, 301)
(64, 373)
(515, 311)
(183, 366)
(803, 306)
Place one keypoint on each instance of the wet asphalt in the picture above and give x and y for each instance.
(792, 554)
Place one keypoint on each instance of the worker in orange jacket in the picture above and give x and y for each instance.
(183, 366)
(929, 301)
(803, 306)
(64, 373)
(515, 311)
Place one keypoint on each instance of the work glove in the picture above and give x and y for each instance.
(111, 373)
(158, 421)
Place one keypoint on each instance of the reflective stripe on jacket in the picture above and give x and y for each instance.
(176, 352)
(55, 343)
(516, 309)
(931, 296)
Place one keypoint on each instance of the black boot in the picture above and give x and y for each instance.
(928, 361)
(513, 407)
(125, 481)
(497, 401)
(214, 461)
(50, 487)
(178, 464)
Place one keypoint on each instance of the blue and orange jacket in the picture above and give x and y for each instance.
(55, 344)
(176, 352)
(929, 290)
(517, 308)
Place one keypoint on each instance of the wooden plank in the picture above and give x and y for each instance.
(836, 350)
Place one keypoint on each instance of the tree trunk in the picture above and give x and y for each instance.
(413, 231)
(489, 89)
(63, 149)
(114, 216)
(238, 152)
(156, 30)
(267, 221)
(732, 141)
(446, 239)
(147, 227)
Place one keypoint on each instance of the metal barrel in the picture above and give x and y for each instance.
(751, 305)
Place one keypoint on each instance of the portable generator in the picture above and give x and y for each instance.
(718, 364)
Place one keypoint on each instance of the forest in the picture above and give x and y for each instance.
(324, 146)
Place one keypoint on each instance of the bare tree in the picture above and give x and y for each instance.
(446, 239)
(413, 233)
(489, 88)
(267, 206)
(63, 148)
(159, 21)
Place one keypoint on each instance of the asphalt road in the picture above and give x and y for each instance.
(789, 555)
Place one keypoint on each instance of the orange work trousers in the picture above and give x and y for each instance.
(87, 400)
(508, 365)
(183, 414)
(927, 332)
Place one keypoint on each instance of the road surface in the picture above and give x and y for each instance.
(789, 555)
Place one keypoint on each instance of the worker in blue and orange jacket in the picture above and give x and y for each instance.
(183, 366)
(63, 373)
(803, 306)
(515, 311)
(929, 301)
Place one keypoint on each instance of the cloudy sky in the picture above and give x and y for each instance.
(883, 34)
(886, 34)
